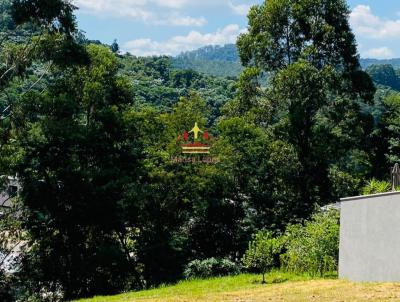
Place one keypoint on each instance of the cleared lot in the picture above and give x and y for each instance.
(246, 288)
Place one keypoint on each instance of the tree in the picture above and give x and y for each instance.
(384, 75)
(391, 124)
(49, 36)
(282, 32)
(316, 91)
(261, 171)
(115, 46)
(313, 248)
(261, 253)
(185, 212)
(77, 157)
(39, 33)
(302, 90)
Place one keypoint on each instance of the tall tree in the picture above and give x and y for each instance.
(76, 156)
(391, 123)
(115, 46)
(49, 36)
(282, 32)
(40, 32)
(316, 90)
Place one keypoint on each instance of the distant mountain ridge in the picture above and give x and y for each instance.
(225, 61)
(365, 63)
(221, 61)
(226, 53)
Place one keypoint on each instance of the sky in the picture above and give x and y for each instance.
(169, 27)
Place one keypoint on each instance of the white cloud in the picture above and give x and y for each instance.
(366, 24)
(171, 3)
(177, 20)
(128, 8)
(240, 9)
(177, 44)
(379, 53)
(142, 10)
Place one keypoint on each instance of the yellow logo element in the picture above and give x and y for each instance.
(192, 145)
(196, 131)
(196, 147)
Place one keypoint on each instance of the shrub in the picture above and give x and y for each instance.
(261, 252)
(211, 267)
(6, 288)
(375, 186)
(313, 248)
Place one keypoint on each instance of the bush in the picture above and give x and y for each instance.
(261, 252)
(375, 186)
(313, 248)
(211, 267)
(6, 287)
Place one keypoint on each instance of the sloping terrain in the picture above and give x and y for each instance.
(247, 288)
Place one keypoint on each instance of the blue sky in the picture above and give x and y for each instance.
(154, 27)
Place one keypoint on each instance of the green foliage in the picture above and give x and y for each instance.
(229, 70)
(300, 94)
(365, 63)
(375, 186)
(225, 61)
(260, 169)
(211, 267)
(316, 29)
(56, 15)
(220, 61)
(344, 183)
(156, 82)
(39, 30)
(316, 93)
(6, 286)
(226, 53)
(248, 90)
(76, 156)
(115, 47)
(182, 211)
(261, 252)
(313, 248)
(391, 125)
(384, 75)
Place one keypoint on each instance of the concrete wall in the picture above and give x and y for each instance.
(370, 238)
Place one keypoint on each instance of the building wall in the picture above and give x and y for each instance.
(370, 238)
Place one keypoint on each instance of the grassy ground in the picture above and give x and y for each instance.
(247, 288)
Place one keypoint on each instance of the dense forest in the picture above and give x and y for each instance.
(89, 133)
(220, 61)
(155, 82)
(225, 61)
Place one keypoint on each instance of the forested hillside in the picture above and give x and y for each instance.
(225, 61)
(365, 63)
(214, 60)
(155, 82)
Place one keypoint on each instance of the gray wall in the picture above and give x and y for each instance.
(370, 238)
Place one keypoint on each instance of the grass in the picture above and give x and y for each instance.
(248, 288)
